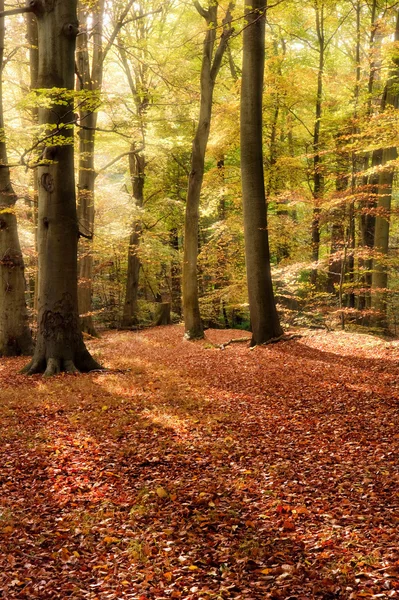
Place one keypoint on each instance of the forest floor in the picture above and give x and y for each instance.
(190, 472)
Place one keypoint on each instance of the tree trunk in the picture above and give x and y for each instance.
(59, 345)
(31, 28)
(130, 309)
(15, 335)
(175, 273)
(89, 79)
(384, 199)
(264, 317)
(209, 70)
(367, 206)
(318, 177)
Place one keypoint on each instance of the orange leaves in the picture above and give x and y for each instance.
(274, 474)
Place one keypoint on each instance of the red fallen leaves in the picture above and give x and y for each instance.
(194, 473)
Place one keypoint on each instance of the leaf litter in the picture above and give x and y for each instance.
(189, 472)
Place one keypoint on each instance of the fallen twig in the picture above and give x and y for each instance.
(232, 341)
(282, 338)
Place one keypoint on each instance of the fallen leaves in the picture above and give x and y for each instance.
(197, 474)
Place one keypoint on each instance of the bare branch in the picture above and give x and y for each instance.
(16, 11)
(115, 160)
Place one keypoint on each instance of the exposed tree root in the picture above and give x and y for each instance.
(34, 367)
(82, 363)
(281, 338)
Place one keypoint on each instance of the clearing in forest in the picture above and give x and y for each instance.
(191, 472)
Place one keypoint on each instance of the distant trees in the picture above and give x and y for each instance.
(89, 78)
(15, 334)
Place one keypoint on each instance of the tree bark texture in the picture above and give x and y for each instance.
(210, 67)
(59, 345)
(15, 335)
(130, 309)
(31, 29)
(264, 317)
(318, 177)
(384, 200)
(137, 76)
(89, 79)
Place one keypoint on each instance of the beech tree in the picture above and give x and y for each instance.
(59, 345)
(15, 335)
(211, 62)
(89, 79)
(384, 198)
(264, 318)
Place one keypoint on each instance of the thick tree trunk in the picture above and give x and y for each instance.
(367, 207)
(381, 240)
(59, 344)
(31, 29)
(264, 317)
(130, 309)
(384, 198)
(89, 79)
(209, 70)
(15, 335)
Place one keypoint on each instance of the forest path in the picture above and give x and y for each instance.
(193, 472)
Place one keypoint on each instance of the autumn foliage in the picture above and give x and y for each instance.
(187, 471)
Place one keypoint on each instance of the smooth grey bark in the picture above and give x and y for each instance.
(264, 318)
(89, 79)
(211, 62)
(130, 308)
(15, 335)
(368, 205)
(318, 176)
(137, 77)
(31, 31)
(59, 345)
(384, 199)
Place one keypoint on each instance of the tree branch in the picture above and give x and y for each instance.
(204, 13)
(224, 38)
(16, 11)
(115, 160)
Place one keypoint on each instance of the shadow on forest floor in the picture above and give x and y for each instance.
(191, 472)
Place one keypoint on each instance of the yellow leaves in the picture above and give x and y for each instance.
(193, 568)
(111, 474)
(162, 493)
(301, 510)
(109, 539)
